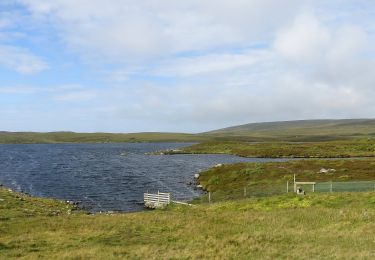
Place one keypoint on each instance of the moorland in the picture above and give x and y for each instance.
(320, 225)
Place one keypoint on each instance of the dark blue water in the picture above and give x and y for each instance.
(100, 177)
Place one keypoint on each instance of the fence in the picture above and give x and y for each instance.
(158, 200)
(350, 186)
(250, 190)
(263, 190)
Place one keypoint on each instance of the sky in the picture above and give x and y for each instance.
(183, 66)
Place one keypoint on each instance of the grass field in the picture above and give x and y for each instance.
(332, 149)
(264, 179)
(288, 227)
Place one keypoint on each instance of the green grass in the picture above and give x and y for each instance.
(14, 205)
(282, 227)
(332, 149)
(264, 179)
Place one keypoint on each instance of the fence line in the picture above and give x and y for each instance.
(258, 190)
(349, 186)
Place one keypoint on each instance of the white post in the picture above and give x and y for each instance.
(209, 197)
(158, 198)
(331, 188)
(295, 187)
(313, 187)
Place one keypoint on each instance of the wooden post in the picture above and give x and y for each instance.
(287, 186)
(331, 188)
(244, 191)
(313, 187)
(295, 187)
(209, 197)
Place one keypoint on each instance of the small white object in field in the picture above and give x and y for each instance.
(323, 170)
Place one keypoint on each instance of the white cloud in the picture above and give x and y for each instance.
(309, 41)
(305, 41)
(4, 22)
(77, 96)
(29, 89)
(21, 60)
(20, 90)
(340, 55)
(127, 30)
(211, 63)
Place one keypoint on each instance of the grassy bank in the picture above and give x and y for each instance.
(265, 179)
(332, 149)
(319, 226)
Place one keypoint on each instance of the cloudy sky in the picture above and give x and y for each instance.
(185, 66)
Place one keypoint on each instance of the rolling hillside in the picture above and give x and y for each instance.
(303, 130)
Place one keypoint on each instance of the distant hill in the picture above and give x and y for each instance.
(294, 131)
(300, 130)
(71, 137)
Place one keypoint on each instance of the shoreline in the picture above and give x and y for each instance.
(168, 152)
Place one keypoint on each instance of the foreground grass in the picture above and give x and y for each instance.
(320, 227)
(332, 149)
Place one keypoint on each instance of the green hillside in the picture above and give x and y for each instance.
(300, 130)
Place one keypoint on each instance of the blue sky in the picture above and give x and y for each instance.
(182, 66)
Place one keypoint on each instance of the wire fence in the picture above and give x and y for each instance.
(350, 186)
(263, 190)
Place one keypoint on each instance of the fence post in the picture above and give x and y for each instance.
(209, 197)
(244, 191)
(294, 186)
(313, 187)
(331, 188)
(287, 186)
(158, 198)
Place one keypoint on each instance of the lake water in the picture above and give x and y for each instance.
(99, 177)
